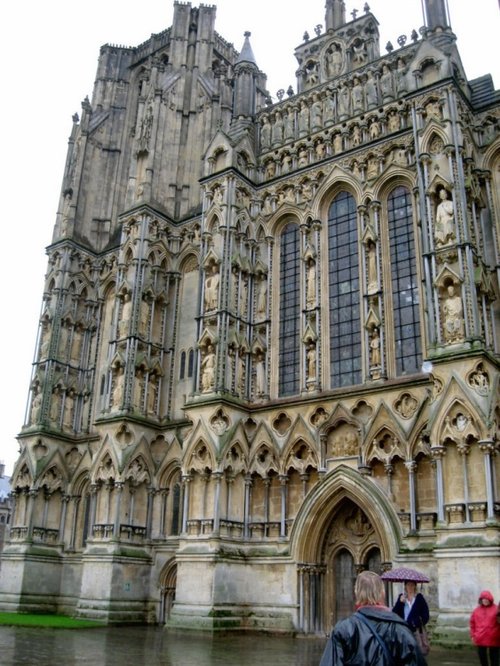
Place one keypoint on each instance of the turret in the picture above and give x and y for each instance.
(335, 14)
(245, 81)
(436, 14)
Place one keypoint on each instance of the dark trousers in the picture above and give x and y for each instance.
(483, 653)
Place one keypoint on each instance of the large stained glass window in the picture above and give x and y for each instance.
(289, 329)
(405, 291)
(345, 324)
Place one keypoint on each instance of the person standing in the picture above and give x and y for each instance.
(485, 629)
(373, 634)
(412, 606)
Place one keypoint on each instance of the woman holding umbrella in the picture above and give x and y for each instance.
(411, 605)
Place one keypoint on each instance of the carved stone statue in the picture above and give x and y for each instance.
(386, 84)
(212, 288)
(260, 376)
(208, 370)
(375, 347)
(265, 133)
(453, 316)
(445, 221)
(372, 267)
(311, 362)
(311, 282)
(261, 305)
(333, 61)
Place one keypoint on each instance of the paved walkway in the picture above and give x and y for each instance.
(153, 646)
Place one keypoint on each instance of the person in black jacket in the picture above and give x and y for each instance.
(378, 638)
(412, 607)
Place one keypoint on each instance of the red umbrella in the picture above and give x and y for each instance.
(403, 574)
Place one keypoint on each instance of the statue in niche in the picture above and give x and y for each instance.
(217, 195)
(393, 122)
(400, 76)
(303, 119)
(338, 144)
(356, 137)
(260, 375)
(123, 326)
(55, 405)
(118, 391)
(145, 128)
(265, 133)
(357, 96)
(267, 208)
(288, 125)
(36, 406)
(371, 91)
(311, 361)
(386, 84)
(316, 114)
(359, 54)
(261, 305)
(311, 282)
(329, 108)
(208, 369)
(375, 347)
(303, 157)
(45, 341)
(333, 61)
(286, 163)
(372, 169)
(445, 220)
(344, 97)
(69, 405)
(371, 253)
(212, 288)
(320, 150)
(453, 316)
(277, 132)
(270, 169)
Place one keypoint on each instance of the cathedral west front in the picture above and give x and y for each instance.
(268, 351)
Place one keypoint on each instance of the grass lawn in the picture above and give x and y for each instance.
(34, 620)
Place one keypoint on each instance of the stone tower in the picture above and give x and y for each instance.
(268, 350)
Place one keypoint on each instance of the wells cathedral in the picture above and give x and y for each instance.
(268, 348)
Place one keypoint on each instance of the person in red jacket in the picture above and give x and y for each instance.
(485, 630)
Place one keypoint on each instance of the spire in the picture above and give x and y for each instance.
(246, 54)
(335, 14)
(436, 14)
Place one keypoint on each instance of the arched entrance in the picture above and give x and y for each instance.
(351, 544)
(168, 582)
(346, 525)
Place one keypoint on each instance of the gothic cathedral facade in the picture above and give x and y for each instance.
(268, 352)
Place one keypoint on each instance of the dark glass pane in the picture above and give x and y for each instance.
(289, 354)
(404, 282)
(345, 333)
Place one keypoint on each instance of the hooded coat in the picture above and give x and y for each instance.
(351, 642)
(484, 627)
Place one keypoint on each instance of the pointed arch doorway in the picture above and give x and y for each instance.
(168, 582)
(351, 544)
(346, 525)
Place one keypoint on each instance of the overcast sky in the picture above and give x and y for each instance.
(49, 60)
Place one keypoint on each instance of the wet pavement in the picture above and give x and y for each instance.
(153, 646)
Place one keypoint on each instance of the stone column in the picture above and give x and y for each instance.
(149, 511)
(246, 510)
(116, 526)
(218, 480)
(62, 523)
(411, 466)
(72, 539)
(186, 479)
(463, 449)
(283, 483)
(438, 453)
(487, 446)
